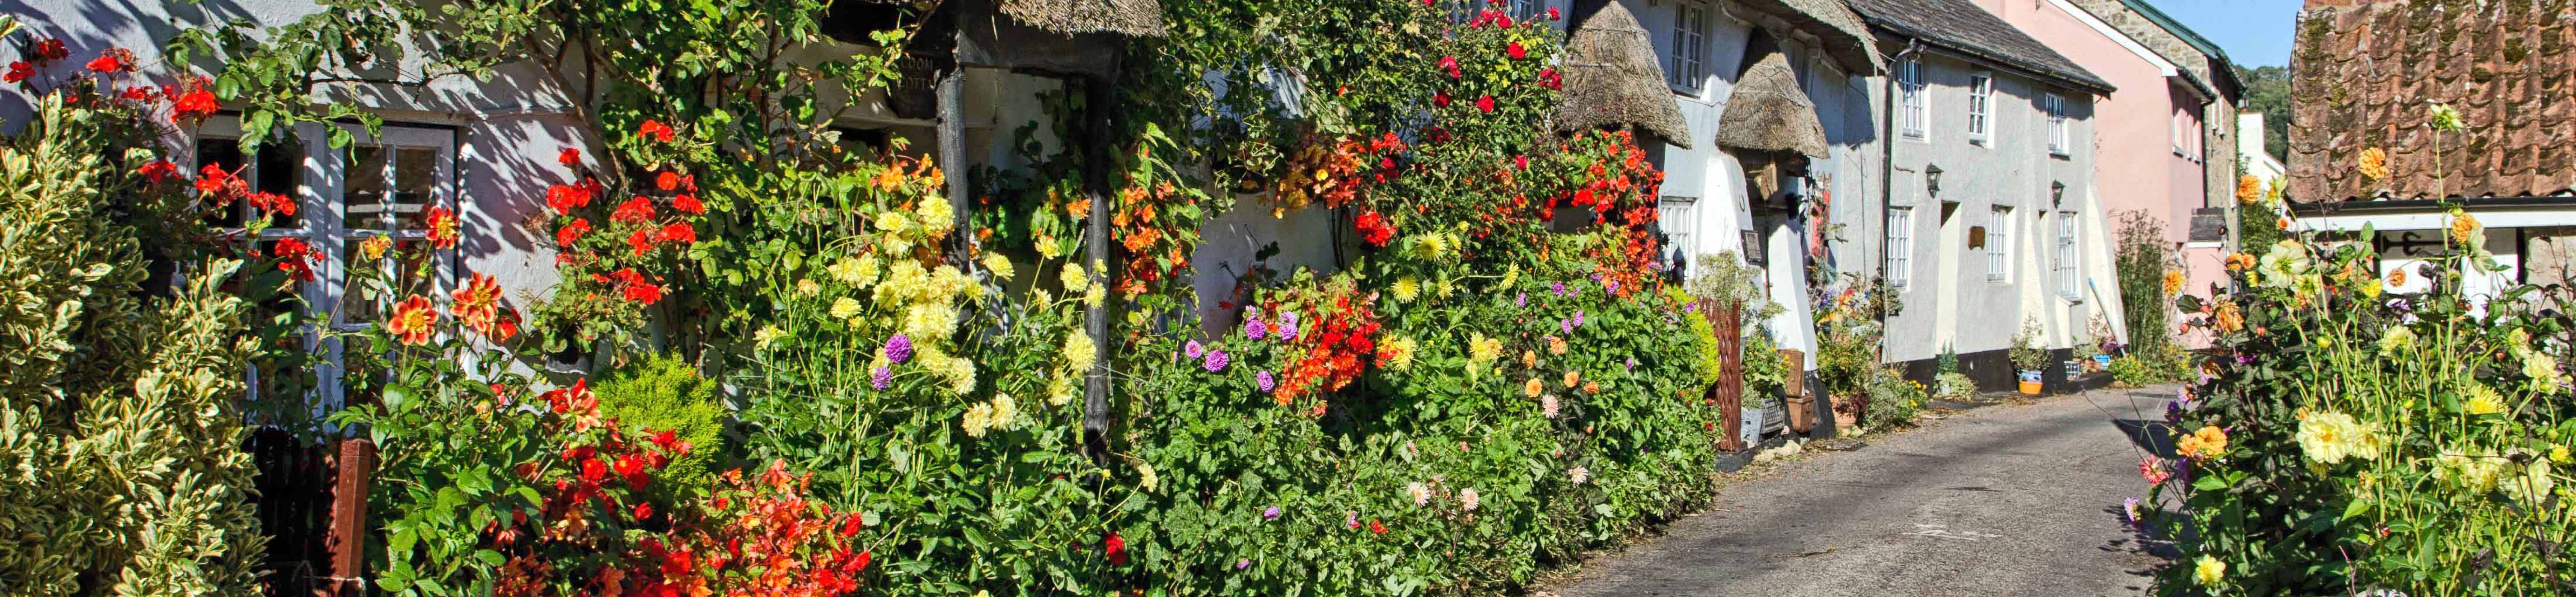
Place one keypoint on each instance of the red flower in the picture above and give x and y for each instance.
(634, 211)
(641, 240)
(1485, 104)
(1515, 50)
(195, 103)
(643, 510)
(688, 203)
(141, 93)
(667, 439)
(565, 236)
(506, 327)
(1520, 162)
(1552, 14)
(442, 227)
(655, 129)
(565, 198)
(593, 470)
(1450, 63)
(1117, 548)
(667, 180)
(635, 288)
(1440, 98)
(569, 157)
(113, 60)
(478, 304)
(19, 71)
(679, 232)
(294, 257)
(1374, 229)
(1375, 527)
(272, 202)
(157, 170)
(49, 50)
(212, 178)
(413, 318)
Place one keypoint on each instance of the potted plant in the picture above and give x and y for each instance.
(1764, 379)
(2028, 357)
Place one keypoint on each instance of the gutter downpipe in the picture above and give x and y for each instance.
(1887, 170)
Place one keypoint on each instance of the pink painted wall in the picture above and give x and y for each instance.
(2136, 168)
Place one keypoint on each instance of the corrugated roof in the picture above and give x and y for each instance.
(1961, 27)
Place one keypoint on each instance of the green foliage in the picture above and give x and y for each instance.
(1848, 335)
(2028, 353)
(120, 467)
(1893, 399)
(1766, 375)
(2267, 91)
(2343, 443)
(1955, 386)
(2140, 263)
(664, 393)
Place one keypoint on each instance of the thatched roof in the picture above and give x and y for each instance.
(1834, 25)
(1613, 78)
(1137, 18)
(1768, 113)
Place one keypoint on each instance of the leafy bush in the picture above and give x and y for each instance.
(2027, 353)
(120, 463)
(1955, 386)
(2140, 262)
(2342, 444)
(1893, 399)
(1766, 375)
(665, 393)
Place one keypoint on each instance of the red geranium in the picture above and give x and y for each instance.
(655, 129)
(19, 71)
(688, 203)
(194, 103)
(667, 180)
(565, 198)
(565, 236)
(569, 157)
(634, 211)
(113, 60)
(1117, 549)
(679, 232)
(1485, 104)
(641, 240)
(49, 50)
(157, 170)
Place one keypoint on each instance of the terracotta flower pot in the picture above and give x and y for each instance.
(1802, 413)
(1847, 411)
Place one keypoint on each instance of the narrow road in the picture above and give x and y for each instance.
(2002, 500)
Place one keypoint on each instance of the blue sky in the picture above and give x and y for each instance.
(2253, 32)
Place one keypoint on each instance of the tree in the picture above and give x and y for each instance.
(2267, 90)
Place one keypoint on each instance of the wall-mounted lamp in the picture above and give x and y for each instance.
(1932, 180)
(2056, 194)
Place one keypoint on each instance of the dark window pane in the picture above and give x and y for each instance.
(415, 177)
(363, 198)
(281, 171)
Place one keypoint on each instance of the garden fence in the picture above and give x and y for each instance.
(312, 504)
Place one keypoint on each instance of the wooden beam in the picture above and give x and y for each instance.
(952, 162)
(1095, 244)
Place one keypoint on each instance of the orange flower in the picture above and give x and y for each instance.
(2173, 282)
(2464, 227)
(2397, 278)
(442, 227)
(2228, 318)
(1533, 388)
(1555, 345)
(2237, 262)
(478, 304)
(2248, 189)
(2374, 163)
(412, 320)
(1572, 378)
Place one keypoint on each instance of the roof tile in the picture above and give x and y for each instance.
(2365, 71)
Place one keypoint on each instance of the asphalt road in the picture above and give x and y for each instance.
(2002, 500)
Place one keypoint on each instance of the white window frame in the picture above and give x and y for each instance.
(1900, 247)
(322, 217)
(1686, 59)
(2058, 142)
(1981, 107)
(1999, 244)
(1679, 219)
(2069, 265)
(1917, 122)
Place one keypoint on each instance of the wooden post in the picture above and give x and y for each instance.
(952, 163)
(353, 469)
(1728, 393)
(1095, 248)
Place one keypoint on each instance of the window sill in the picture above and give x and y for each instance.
(2060, 154)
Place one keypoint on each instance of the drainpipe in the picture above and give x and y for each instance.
(1887, 171)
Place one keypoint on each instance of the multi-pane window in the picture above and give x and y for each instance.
(2056, 106)
(1909, 86)
(1900, 247)
(2069, 283)
(378, 186)
(1999, 245)
(1686, 68)
(1528, 9)
(1981, 106)
(1675, 217)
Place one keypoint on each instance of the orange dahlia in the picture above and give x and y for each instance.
(412, 320)
(478, 304)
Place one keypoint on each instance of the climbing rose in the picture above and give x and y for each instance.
(1516, 51)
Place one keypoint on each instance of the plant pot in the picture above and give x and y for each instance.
(2029, 383)
(1802, 413)
(1847, 411)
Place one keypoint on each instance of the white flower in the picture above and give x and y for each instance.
(1469, 499)
(1421, 494)
(1579, 474)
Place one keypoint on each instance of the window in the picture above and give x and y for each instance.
(1900, 247)
(2056, 106)
(1675, 217)
(1909, 87)
(2069, 283)
(1690, 34)
(380, 185)
(1528, 9)
(1999, 245)
(1981, 99)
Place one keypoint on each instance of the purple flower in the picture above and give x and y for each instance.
(898, 348)
(1252, 327)
(1264, 381)
(1352, 519)
(2129, 508)
(1288, 330)
(1215, 361)
(881, 378)
(1193, 349)
(1578, 318)
(1690, 308)
(1613, 285)
(1632, 363)
(1271, 513)
(1557, 287)
(1289, 318)
(1243, 563)
(2400, 305)
(1520, 300)
(1565, 325)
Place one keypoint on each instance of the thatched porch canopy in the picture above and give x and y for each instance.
(1613, 78)
(1769, 113)
(1133, 18)
(1835, 26)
